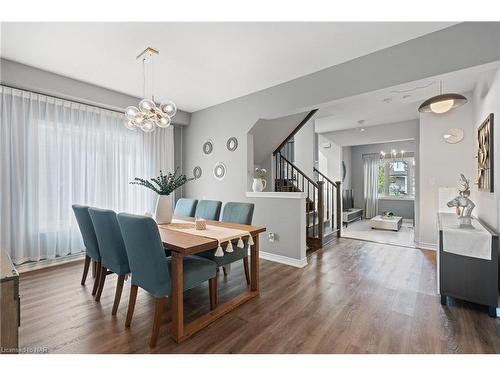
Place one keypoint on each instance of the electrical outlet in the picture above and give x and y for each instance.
(270, 236)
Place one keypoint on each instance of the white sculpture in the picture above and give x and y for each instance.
(463, 204)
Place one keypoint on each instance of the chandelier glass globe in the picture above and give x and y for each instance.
(148, 115)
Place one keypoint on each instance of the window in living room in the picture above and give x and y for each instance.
(396, 178)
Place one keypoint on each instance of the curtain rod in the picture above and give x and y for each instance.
(61, 98)
(389, 156)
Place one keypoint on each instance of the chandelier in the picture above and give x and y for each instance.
(148, 114)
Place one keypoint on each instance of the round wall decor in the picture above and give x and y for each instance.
(208, 147)
(219, 171)
(453, 135)
(197, 172)
(232, 144)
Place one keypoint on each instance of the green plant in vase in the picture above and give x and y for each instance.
(163, 185)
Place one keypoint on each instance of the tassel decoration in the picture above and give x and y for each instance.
(219, 252)
(250, 241)
(229, 247)
(240, 243)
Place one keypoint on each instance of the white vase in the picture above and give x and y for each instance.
(259, 184)
(163, 212)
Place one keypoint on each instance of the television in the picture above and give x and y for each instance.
(347, 199)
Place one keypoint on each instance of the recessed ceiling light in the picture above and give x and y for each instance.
(362, 129)
(387, 100)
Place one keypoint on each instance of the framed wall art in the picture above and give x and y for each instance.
(232, 144)
(485, 157)
(208, 147)
(197, 172)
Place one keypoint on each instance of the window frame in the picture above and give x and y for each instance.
(409, 175)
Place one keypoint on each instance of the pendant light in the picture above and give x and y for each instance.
(148, 115)
(442, 103)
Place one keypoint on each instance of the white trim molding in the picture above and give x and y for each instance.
(426, 246)
(299, 263)
(277, 194)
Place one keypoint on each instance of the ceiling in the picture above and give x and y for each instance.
(394, 104)
(200, 64)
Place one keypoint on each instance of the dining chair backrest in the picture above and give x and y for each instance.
(110, 240)
(209, 210)
(87, 230)
(185, 207)
(146, 256)
(238, 212)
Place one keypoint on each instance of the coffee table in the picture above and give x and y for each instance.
(386, 223)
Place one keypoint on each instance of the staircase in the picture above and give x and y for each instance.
(323, 201)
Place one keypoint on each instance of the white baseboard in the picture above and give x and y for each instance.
(299, 263)
(427, 246)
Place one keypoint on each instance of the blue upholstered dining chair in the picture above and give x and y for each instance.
(239, 213)
(113, 254)
(209, 210)
(185, 207)
(90, 242)
(151, 268)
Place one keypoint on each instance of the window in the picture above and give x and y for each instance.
(396, 178)
(55, 153)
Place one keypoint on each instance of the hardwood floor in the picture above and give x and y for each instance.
(353, 297)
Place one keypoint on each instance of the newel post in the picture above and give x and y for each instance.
(339, 207)
(321, 209)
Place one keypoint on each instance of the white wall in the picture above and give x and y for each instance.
(393, 132)
(440, 165)
(304, 149)
(486, 100)
(330, 159)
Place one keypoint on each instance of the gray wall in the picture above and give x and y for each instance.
(347, 158)
(279, 215)
(402, 207)
(357, 175)
(30, 78)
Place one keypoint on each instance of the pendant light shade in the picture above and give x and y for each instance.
(442, 103)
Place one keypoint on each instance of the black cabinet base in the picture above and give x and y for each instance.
(492, 311)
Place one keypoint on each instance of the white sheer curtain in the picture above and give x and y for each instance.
(54, 153)
(370, 185)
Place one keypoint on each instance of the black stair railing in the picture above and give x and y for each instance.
(333, 200)
(289, 178)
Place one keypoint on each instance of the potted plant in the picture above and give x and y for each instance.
(163, 186)
(259, 181)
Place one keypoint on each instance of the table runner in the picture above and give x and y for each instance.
(220, 234)
(472, 242)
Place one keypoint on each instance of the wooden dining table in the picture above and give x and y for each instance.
(183, 244)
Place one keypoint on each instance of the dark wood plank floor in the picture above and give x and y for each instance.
(353, 297)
